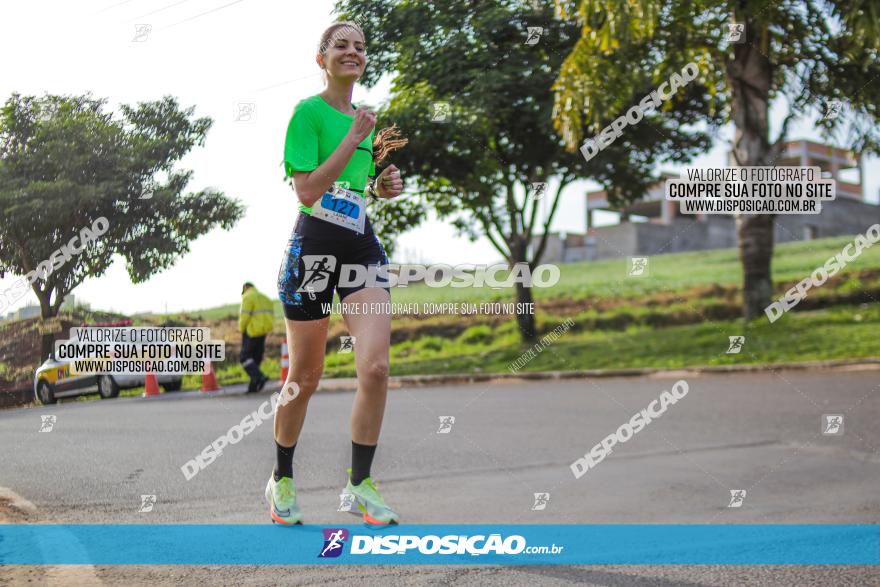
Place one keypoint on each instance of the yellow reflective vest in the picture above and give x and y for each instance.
(257, 313)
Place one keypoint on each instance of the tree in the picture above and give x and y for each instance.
(66, 164)
(813, 52)
(476, 167)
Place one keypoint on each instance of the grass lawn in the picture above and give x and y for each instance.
(661, 320)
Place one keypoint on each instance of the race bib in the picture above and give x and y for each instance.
(342, 207)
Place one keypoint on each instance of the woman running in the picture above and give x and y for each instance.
(329, 146)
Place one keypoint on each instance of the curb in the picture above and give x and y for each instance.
(81, 575)
(425, 380)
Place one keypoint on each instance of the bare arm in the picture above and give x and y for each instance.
(311, 185)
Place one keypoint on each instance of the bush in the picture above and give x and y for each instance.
(430, 343)
(480, 334)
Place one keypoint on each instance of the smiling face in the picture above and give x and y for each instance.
(344, 55)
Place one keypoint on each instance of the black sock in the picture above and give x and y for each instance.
(361, 461)
(283, 461)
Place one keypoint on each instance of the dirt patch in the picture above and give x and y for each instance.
(9, 514)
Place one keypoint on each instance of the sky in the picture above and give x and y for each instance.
(215, 55)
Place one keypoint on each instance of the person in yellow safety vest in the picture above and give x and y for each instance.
(254, 322)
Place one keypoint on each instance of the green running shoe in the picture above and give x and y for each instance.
(281, 496)
(370, 502)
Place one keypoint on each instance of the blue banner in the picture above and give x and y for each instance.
(626, 544)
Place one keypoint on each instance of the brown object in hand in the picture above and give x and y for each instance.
(387, 141)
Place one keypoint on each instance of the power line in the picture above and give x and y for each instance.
(202, 14)
(290, 81)
(161, 9)
(112, 6)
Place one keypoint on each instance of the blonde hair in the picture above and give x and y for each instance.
(328, 37)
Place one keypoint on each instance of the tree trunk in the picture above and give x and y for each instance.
(47, 342)
(750, 75)
(525, 320)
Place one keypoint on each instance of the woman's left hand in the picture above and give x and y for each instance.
(389, 183)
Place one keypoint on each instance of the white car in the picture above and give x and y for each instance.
(53, 380)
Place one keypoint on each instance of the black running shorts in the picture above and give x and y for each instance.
(312, 262)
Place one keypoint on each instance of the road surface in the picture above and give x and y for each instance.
(761, 432)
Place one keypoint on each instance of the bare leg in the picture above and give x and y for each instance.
(372, 334)
(306, 341)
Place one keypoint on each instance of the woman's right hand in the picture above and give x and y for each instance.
(362, 126)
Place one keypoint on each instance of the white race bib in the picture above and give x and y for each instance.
(341, 207)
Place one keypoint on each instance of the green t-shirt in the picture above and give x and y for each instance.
(315, 130)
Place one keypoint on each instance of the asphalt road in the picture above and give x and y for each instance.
(755, 431)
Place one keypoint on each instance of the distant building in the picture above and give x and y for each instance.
(68, 304)
(653, 225)
(563, 247)
(26, 312)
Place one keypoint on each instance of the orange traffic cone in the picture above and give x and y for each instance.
(285, 364)
(209, 380)
(151, 385)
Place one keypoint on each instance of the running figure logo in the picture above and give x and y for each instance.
(149, 188)
(440, 112)
(832, 424)
(833, 110)
(735, 33)
(534, 35)
(346, 344)
(737, 496)
(638, 266)
(538, 188)
(147, 503)
(141, 32)
(47, 423)
(245, 112)
(347, 503)
(736, 344)
(318, 270)
(446, 423)
(334, 538)
(541, 501)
